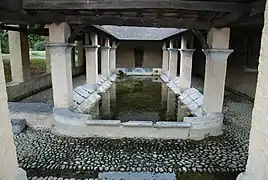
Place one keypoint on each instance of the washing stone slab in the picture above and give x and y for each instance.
(77, 98)
(164, 124)
(190, 91)
(82, 92)
(103, 122)
(18, 125)
(195, 95)
(193, 106)
(200, 101)
(187, 101)
(89, 88)
(138, 124)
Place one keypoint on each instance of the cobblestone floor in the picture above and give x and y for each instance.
(43, 154)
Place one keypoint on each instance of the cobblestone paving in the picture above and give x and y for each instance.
(43, 154)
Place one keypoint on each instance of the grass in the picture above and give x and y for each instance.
(37, 66)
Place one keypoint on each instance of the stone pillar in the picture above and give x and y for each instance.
(257, 163)
(171, 104)
(91, 64)
(61, 67)
(165, 58)
(113, 56)
(91, 59)
(216, 64)
(80, 59)
(173, 61)
(48, 58)
(186, 68)
(215, 71)
(8, 157)
(105, 58)
(19, 56)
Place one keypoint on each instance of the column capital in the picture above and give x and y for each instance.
(187, 52)
(217, 54)
(172, 49)
(60, 47)
(105, 47)
(87, 47)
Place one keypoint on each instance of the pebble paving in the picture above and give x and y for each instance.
(47, 156)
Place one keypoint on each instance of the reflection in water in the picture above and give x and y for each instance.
(138, 99)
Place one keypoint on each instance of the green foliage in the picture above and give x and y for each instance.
(33, 40)
(39, 46)
(4, 41)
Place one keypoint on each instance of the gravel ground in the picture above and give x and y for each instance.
(43, 154)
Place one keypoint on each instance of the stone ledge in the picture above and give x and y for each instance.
(30, 107)
(138, 124)
(163, 124)
(103, 122)
(65, 116)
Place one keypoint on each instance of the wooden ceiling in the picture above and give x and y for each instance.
(157, 13)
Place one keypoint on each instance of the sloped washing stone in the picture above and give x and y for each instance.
(200, 101)
(81, 92)
(138, 124)
(187, 101)
(163, 124)
(18, 125)
(193, 106)
(190, 91)
(89, 88)
(77, 98)
(30, 107)
(195, 95)
(103, 122)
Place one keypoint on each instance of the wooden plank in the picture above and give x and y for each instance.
(136, 4)
(138, 21)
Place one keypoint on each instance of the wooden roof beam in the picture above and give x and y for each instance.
(138, 21)
(133, 4)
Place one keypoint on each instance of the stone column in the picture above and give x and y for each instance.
(61, 66)
(165, 58)
(186, 68)
(173, 61)
(8, 157)
(48, 58)
(80, 53)
(105, 58)
(113, 56)
(215, 71)
(19, 56)
(257, 163)
(216, 64)
(91, 64)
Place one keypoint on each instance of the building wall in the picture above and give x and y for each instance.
(152, 56)
(242, 63)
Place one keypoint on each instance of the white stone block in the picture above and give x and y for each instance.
(193, 106)
(200, 101)
(77, 98)
(138, 123)
(190, 91)
(81, 92)
(183, 96)
(89, 88)
(187, 101)
(195, 95)
(163, 124)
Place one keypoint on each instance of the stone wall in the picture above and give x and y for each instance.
(152, 57)
(34, 84)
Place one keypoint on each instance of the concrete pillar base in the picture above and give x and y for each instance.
(173, 62)
(215, 73)
(61, 72)
(20, 174)
(242, 176)
(91, 63)
(186, 68)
